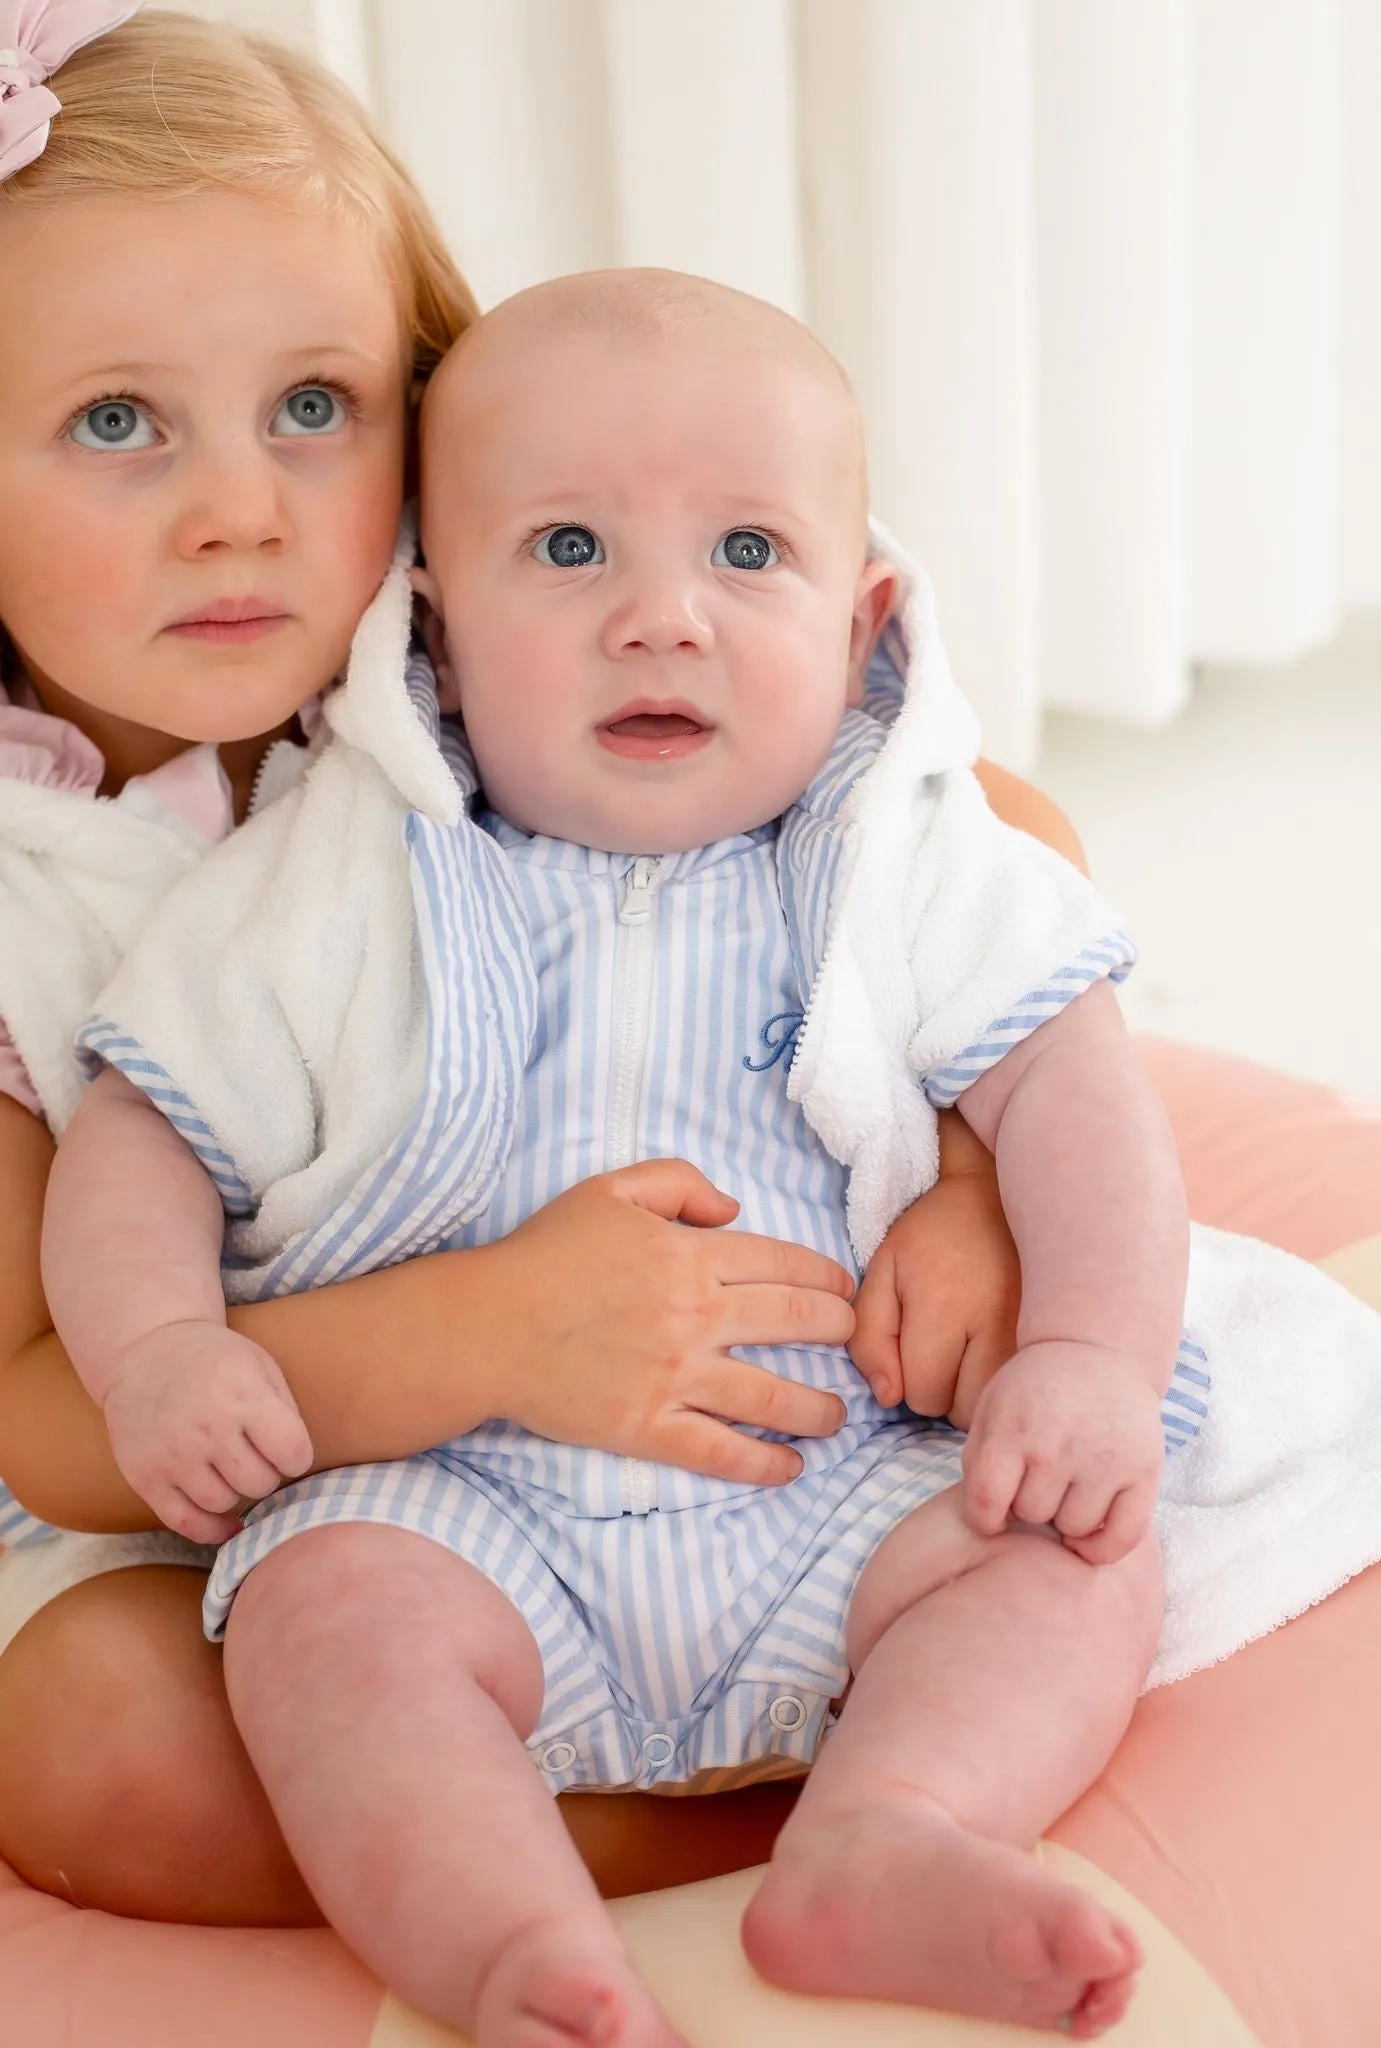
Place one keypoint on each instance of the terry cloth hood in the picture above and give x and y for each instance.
(950, 935)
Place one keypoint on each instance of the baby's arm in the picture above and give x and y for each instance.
(199, 1417)
(1069, 1431)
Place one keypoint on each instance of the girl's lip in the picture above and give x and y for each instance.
(232, 621)
(230, 632)
(233, 611)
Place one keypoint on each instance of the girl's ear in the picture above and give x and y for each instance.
(873, 602)
(432, 621)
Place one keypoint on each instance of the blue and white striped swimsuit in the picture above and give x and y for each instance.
(689, 1627)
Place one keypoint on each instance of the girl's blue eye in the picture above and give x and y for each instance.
(114, 423)
(569, 547)
(744, 549)
(312, 410)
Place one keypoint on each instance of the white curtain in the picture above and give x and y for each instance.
(1107, 274)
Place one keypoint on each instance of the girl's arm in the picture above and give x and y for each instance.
(1030, 810)
(936, 1316)
(601, 1321)
(598, 1314)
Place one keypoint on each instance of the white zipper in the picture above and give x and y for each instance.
(634, 958)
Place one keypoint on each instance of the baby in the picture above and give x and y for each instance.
(651, 584)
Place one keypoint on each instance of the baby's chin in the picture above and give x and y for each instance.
(653, 812)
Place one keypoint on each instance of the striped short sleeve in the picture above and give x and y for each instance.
(103, 1044)
(1110, 958)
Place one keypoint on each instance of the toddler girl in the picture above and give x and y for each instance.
(219, 289)
(645, 517)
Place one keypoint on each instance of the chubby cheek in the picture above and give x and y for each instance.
(75, 593)
(796, 672)
(353, 537)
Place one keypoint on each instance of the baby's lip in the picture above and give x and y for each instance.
(647, 718)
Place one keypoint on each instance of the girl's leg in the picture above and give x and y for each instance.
(995, 1676)
(384, 1688)
(123, 1782)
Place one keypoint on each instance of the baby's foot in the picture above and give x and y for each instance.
(906, 1906)
(555, 1989)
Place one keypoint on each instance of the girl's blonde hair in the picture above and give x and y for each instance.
(171, 106)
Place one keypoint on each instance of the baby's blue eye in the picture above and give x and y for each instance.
(744, 549)
(114, 423)
(569, 547)
(312, 410)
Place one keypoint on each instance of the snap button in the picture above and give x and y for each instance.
(659, 1749)
(557, 1756)
(787, 1713)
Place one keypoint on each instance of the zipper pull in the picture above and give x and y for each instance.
(638, 886)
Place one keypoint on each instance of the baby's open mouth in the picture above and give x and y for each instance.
(655, 725)
(669, 735)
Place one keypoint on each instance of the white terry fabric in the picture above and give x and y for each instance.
(78, 878)
(943, 920)
(1277, 1501)
(297, 1024)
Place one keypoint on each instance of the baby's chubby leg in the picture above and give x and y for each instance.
(994, 1678)
(383, 1688)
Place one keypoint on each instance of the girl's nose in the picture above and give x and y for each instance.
(234, 503)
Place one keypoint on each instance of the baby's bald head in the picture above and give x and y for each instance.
(682, 327)
(644, 513)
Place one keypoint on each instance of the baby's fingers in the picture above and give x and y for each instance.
(279, 1436)
(243, 1471)
(1042, 1492)
(1084, 1510)
(1127, 1521)
(177, 1510)
(993, 1475)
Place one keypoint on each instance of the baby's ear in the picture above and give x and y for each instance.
(431, 618)
(874, 599)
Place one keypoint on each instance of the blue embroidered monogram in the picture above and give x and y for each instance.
(779, 1035)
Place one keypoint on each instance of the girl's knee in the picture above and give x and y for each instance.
(122, 1782)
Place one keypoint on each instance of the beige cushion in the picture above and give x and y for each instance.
(686, 1945)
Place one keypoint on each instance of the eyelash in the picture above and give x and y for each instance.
(112, 397)
(779, 541)
(347, 395)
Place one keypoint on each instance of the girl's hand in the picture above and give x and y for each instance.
(936, 1316)
(626, 1319)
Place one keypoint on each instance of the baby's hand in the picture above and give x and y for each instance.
(1070, 1435)
(200, 1419)
(936, 1315)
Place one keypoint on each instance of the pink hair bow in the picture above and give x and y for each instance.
(36, 39)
